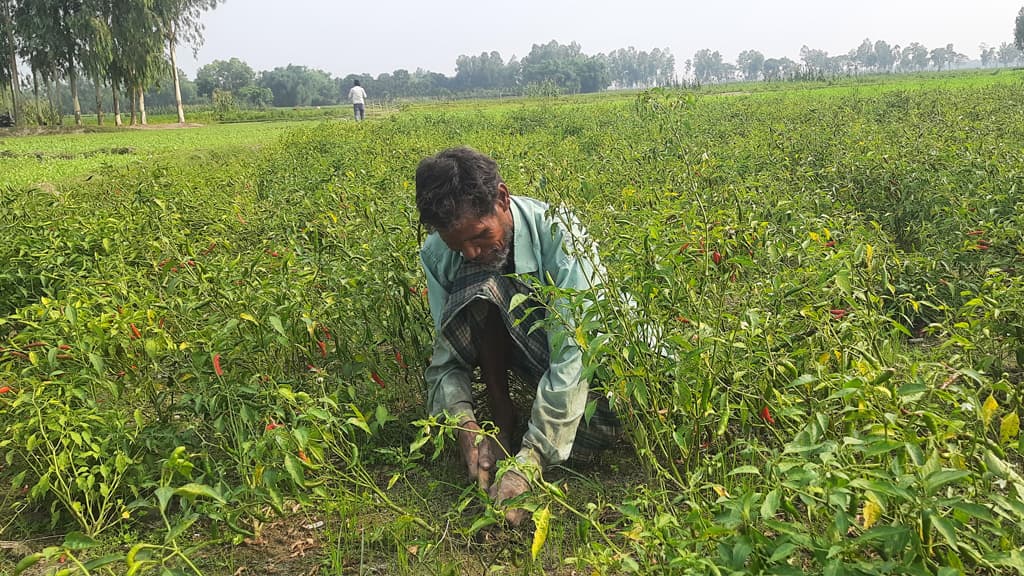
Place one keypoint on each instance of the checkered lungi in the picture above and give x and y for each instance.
(474, 290)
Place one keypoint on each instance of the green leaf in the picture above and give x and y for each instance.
(744, 470)
(182, 525)
(276, 323)
(516, 301)
(79, 541)
(294, 468)
(945, 527)
(975, 510)
(163, 496)
(770, 504)
(882, 533)
(359, 423)
(97, 363)
(103, 561)
(936, 480)
(481, 523)
(843, 281)
(194, 490)
(276, 500)
(783, 552)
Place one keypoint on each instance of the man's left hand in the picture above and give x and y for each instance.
(510, 485)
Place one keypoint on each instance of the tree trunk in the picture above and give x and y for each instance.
(75, 105)
(12, 63)
(142, 107)
(135, 101)
(174, 74)
(99, 103)
(51, 88)
(35, 93)
(115, 94)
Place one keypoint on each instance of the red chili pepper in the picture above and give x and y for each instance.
(830, 244)
(273, 426)
(377, 379)
(5, 389)
(837, 313)
(716, 257)
(400, 360)
(64, 347)
(17, 353)
(35, 345)
(767, 415)
(216, 365)
(303, 457)
(684, 247)
(135, 332)
(327, 333)
(683, 319)
(975, 232)
(209, 248)
(323, 348)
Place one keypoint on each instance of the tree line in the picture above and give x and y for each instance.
(128, 46)
(123, 45)
(553, 67)
(879, 57)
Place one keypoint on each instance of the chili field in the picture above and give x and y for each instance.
(811, 325)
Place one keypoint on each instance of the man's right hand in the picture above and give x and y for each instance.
(480, 451)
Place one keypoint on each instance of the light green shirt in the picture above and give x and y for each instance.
(539, 251)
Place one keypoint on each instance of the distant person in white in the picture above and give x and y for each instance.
(358, 97)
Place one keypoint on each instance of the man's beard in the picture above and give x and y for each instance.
(498, 257)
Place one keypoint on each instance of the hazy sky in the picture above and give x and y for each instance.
(380, 36)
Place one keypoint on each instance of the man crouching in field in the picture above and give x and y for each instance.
(481, 236)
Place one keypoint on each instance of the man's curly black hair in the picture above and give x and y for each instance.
(455, 184)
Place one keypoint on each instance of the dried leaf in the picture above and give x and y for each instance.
(988, 409)
(542, 521)
(871, 512)
(1009, 428)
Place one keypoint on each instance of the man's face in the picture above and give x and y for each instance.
(487, 240)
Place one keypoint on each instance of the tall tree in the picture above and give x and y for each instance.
(96, 52)
(138, 51)
(914, 57)
(750, 63)
(864, 55)
(708, 66)
(9, 58)
(815, 61)
(1008, 54)
(179, 22)
(1018, 30)
(885, 56)
(226, 75)
(987, 54)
